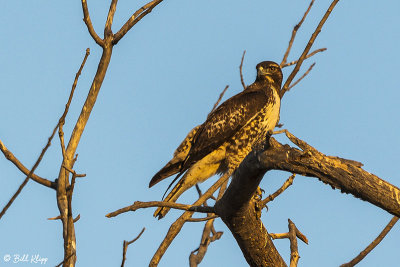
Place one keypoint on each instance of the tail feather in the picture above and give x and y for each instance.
(198, 173)
(167, 171)
(175, 193)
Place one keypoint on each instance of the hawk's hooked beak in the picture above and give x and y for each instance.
(261, 72)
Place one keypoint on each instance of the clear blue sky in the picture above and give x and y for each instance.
(163, 79)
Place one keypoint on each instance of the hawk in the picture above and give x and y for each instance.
(227, 136)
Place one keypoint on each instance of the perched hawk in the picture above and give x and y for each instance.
(227, 136)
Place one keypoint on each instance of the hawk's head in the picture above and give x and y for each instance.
(270, 71)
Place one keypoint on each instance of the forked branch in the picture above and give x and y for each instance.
(126, 244)
(307, 49)
(294, 32)
(135, 18)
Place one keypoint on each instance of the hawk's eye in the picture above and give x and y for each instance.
(272, 68)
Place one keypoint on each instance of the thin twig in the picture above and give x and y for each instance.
(202, 219)
(221, 95)
(59, 218)
(62, 118)
(61, 121)
(240, 70)
(135, 18)
(89, 25)
(207, 237)
(301, 78)
(73, 172)
(308, 56)
(29, 174)
(285, 185)
(126, 244)
(10, 156)
(294, 32)
(141, 205)
(198, 190)
(307, 49)
(373, 244)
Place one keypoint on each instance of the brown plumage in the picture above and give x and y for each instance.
(227, 136)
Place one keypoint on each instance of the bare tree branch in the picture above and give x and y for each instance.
(59, 218)
(374, 243)
(294, 251)
(287, 183)
(343, 174)
(141, 205)
(88, 22)
(206, 239)
(135, 18)
(219, 99)
(301, 78)
(308, 56)
(60, 122)
(126, 244)
(65, 260)
(240, 70)
(110, 18)
(202, 219)
(294, 32)
(178, 224)
(307, 49)
(10, 156)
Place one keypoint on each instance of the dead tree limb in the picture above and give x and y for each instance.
(63, 185)
(241, 71)
(238, 209)
(373, 244)
(10, 156)
(207, 238)
(126, 244)
(285, 185)
(307, 49)
(293, 36)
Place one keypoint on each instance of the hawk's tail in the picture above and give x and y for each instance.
(175, 193)
(167, 171)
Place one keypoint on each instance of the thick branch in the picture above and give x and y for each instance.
(240, 213)
(346, 175)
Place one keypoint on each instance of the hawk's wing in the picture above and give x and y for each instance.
(224, 122)
(174, 165)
